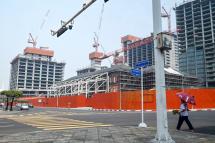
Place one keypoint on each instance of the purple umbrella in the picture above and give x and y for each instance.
(186, 97)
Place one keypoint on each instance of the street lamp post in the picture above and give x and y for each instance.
(162, 135)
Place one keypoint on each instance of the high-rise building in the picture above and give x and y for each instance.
(34, 71)
(196, 30)
(137, 49)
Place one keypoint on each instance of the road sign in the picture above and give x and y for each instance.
(135, 72)
(143, 63)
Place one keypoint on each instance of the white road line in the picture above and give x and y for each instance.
(5, 126)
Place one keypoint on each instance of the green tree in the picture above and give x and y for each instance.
(10, 96)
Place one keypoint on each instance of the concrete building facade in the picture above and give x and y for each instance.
(34, 71)
(195, 21)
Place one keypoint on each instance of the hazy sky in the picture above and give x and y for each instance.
(121, 17)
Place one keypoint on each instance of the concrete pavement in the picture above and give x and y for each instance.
(114, 134)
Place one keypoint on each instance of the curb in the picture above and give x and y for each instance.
(117, 110)
(169, 110)
(78, 108)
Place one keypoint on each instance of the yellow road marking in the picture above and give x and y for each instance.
(55, 123)
(77, 127)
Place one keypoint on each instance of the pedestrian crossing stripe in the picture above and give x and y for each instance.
(55, 123)
(62, 128)
(50, 113)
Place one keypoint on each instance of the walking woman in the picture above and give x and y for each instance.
(183, 116)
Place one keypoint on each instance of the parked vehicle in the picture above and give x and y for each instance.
(22, 106)
(31, 106)
(1, 104)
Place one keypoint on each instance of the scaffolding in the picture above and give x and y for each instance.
(116, 78)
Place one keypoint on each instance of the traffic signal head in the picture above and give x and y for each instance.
(70, 27)
(61, 31)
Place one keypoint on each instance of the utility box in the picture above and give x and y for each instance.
(164, 41)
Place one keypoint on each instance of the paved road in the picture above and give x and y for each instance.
(59, 119)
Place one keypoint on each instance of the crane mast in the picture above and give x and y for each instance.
(168, 16)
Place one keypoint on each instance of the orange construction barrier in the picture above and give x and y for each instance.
(129, 100)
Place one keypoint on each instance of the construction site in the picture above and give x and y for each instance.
(114, 86)
(100, 79)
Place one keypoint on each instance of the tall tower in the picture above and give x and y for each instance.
(196, 30)
(34, 71)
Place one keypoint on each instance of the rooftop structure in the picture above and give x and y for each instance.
(183, 2)
(36, 51)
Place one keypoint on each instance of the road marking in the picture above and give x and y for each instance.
(55, 123)
(75, 127)
(5, 126)
(3, 122)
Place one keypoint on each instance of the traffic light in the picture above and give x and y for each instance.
(70, 27)
(106, 0)
(61, 31)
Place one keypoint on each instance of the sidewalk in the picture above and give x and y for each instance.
(103, 135)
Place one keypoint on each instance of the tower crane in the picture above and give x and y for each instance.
(99, 56)
(32, 40)
(168, 16)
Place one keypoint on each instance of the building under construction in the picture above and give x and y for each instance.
(116, 79)
(34, 71)
(100, 79)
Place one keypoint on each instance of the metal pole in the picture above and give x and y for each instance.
(182, 83)
(162, 135)
(120, 98)
(142, 124)
(86, 90)
(57, 97)
(120, 93)
(77, 14)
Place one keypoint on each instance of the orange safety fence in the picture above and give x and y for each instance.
(62, 101)
(104, 101)
(129, 100)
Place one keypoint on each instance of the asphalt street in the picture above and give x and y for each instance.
(40, 119)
